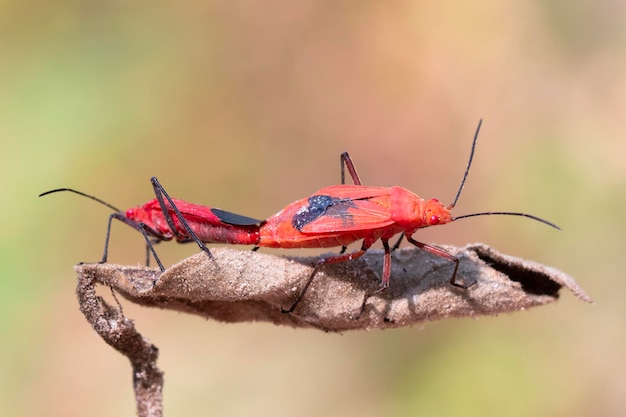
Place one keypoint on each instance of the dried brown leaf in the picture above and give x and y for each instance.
(237, 286)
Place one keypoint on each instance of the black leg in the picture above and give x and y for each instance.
(160, 193)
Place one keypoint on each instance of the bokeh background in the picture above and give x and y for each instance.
(246, 106)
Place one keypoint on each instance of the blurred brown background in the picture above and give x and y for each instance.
(246, 106)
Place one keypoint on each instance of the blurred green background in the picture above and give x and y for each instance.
(246, 106)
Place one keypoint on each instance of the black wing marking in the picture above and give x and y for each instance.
(320, 205)
(234, 219)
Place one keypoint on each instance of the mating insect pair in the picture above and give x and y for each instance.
(333, 216)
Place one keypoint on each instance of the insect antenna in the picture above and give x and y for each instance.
(145, 230)
(508, 213)
(469, 164)
(84, 195)
(489, 213)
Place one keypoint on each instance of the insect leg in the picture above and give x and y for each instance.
(329, 260)
(152, 242)
(160, 193)
(346, 163)
(143, 228)
(397, 244)
(120, 217)
(385, 280)
(144, 231)
(386, 265)
(444, 254)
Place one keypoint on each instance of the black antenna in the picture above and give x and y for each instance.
(84, 195)
(489, 213)
(508, 213)
(469, 164)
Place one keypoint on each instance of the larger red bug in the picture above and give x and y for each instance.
(342, 214)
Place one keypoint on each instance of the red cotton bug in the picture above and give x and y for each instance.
(342, 214)
(164, 218)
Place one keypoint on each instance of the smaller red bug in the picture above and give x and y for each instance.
(164, 218)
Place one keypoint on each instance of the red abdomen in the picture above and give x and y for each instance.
(205, 224)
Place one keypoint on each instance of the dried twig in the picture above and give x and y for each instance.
(120, 333)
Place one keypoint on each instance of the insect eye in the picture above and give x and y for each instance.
(434, 219)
